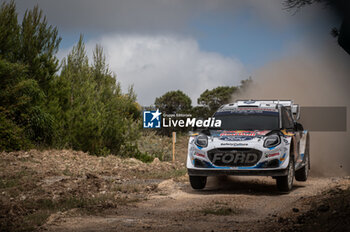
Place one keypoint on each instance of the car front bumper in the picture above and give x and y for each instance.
(241, 172)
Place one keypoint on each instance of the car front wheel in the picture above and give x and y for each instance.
(285, 183)
(198, 182)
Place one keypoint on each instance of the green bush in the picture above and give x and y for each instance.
(12, 136)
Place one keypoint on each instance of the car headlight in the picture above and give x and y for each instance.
(272, 141)
(201, 141)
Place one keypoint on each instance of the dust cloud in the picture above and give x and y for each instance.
(312, 77)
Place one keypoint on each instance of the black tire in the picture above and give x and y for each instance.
(285, 183)
(303, 173)
(198, 182)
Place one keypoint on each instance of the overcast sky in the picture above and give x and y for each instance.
(191, 45)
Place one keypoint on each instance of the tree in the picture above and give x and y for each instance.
(173, 102)
(39, 46)
(28, 63)
(78, 106)
(94, 114)
(81, 108)
(170, 103)
(340, 7)
(213, 99)
(15, 97)
(9, 32)
(201, 112)
(210, 100)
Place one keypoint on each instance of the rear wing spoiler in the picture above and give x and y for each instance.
(295, 109)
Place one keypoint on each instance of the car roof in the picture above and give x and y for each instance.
(267, 104)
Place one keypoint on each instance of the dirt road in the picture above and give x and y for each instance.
(226, 204)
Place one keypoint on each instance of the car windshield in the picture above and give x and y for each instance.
(245, 119)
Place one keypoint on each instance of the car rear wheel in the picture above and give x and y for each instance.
(285, 183)
(303, 173)
(198, 182)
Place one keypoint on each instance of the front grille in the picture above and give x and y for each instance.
(234, 157)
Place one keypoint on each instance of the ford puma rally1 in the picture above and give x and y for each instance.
(261, 138)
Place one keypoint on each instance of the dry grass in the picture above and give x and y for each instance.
(161, 146)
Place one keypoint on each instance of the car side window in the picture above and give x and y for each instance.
(287, 120)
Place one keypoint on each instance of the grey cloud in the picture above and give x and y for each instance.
(146, 16)
(122, 15)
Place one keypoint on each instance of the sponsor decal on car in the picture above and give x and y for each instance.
(272, 155)
(232, 138)
(234, 144)
(238, 133)
(244, 133)
(200, 155)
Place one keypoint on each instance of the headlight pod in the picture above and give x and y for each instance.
(201, 140)
(272, 141)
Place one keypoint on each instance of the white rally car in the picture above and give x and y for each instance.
(259, 138)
